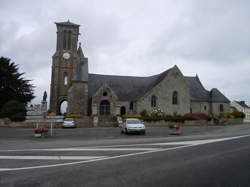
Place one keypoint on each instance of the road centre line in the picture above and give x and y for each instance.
(119, 156)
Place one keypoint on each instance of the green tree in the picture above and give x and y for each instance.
(12, 85)
(14, 110)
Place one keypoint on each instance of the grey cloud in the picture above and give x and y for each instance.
(141, 38)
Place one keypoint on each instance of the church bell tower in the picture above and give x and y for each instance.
(64, 62)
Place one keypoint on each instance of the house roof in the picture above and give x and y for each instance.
(243, 104)
(130, 88)
(217, 96)
(196, 90)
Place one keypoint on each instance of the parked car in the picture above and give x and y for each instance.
(69, 123)
(133, 125)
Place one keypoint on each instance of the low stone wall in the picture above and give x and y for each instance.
(161, 123)
(198, 122)
(7, 123)
(84, 122)
(194, 122)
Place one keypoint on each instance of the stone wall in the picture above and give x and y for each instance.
(216, 108)
(195, 122)
(173, 81)
(7, 123)
(84, 122)
(200, 107)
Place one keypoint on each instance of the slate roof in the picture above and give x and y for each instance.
(130, 88)
(196, 90)
(243, 104)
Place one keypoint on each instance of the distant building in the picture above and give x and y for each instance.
(111, 95)
(241, 106)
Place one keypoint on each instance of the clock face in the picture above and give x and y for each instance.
(66, 56)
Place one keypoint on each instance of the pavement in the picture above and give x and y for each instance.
(211, 156)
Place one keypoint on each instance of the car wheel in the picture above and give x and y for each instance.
(143, 133)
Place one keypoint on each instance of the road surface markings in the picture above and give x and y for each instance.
(51, 157)
(87, 149)
(195, 143)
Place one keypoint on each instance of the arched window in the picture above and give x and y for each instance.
(123, 110)
(65, 79)
(104, 107)
(131, 105)
(153, 101)
(221, 108)
(175, 98)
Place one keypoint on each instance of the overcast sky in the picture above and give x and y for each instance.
(135, 37)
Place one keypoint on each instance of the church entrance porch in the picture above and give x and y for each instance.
(104, 108)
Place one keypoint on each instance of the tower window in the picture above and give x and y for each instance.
(175, 98)
(64, 39)
(153, 101)
(65, 79)
(205, 107)
(69, 39)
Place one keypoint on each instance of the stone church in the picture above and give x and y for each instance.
(111, 95)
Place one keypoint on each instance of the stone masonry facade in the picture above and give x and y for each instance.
(110, 95)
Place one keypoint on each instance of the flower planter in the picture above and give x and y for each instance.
(41, 132)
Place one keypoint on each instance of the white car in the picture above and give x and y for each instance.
(69, 123)
(133, 125)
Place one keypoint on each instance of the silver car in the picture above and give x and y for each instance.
(69, 123)
(133, 125)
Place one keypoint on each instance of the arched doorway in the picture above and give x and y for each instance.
(104, 107)
(63, 107)
(123, 110)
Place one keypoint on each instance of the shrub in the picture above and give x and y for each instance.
(74, 116)
(51, 114)
(196, 116)
(132, 116)
(155, 111)
(49, 111)
(238, 114)
(176, 118)
(144, 113)
(14, 110)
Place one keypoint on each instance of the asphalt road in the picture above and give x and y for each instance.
(215, 159)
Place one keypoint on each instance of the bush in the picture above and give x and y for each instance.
(238, 114)
(196, 116)
(174, 118)
(51, 114)
(14, 110)
(49, 111)
(132, 116)
(74, 116)
(144, 113)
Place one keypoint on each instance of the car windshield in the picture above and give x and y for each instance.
(133, 121)
(69, 119)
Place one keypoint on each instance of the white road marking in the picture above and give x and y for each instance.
(195, 143)
(51, 157)
(86, 149)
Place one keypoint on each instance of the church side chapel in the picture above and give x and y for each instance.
(110, 95)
